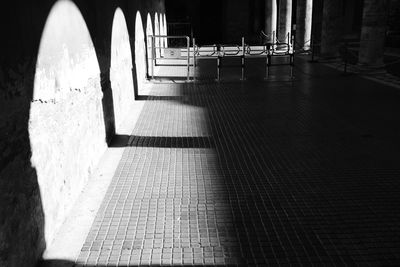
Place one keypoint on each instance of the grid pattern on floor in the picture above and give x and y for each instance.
(247, 174)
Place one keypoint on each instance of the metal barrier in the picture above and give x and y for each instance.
(219, 52)
(169, 53)
(245, 51)
(281, 49)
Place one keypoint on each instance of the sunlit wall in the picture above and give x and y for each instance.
(121, 70)
(140, 52)
(157, 33)
(66, 124)
(165, 30)
(149, 32)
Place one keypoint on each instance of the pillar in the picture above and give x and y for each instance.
(332, 27)
(372, 42)
(303, 24)
(270, 18)
(285, 20)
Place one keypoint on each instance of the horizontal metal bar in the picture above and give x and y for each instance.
(168, 36)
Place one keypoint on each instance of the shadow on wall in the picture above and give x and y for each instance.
(54, 113)
(121, 70)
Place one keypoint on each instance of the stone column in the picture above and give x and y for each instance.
(270, 18)
(332, 27)
(285, 20)
(373, 31)
(303, 24)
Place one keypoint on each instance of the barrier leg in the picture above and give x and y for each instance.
(291, 66)
(188, 58)
(243, 57)
(194, 59)
(243, 66)
(152, 57)
(313, 60)
(218, 68)
(291, 71)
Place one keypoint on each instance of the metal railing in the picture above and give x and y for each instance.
(160, 53)
(244, 51)
(169, 53)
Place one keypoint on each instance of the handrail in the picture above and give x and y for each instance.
(154, 54)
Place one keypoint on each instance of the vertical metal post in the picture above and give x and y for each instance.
(345, 58)
(243, 59)
(313, 49)
(291, 65)
(188, 58)
(266, 61)
(218, 68)
(194, 58)
(273, 41)
(288, 42)
(159, 45)
(268, 64)
(152, 56)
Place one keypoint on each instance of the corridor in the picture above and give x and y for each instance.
(256, 173)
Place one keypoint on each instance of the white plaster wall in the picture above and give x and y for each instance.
(66, 124)
(140, 52)
(165, 30)
(149, 32)
(157, 32)
(121, 70)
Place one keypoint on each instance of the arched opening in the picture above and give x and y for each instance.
(162, 32)
(140, 52)
(165, 30)
(66, 124)
(149, 32)
(157, 33)
(121, 70)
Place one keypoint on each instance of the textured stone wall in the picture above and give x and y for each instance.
(121, 70)
(56, 111)
(374, 26)
(66, 123)
(284, 20)
(150, 44)
(332, 27)
(271, 13)
(21, 212)
(304, 15)
(140, 52)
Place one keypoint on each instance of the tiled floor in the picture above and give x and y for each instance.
(257, 173)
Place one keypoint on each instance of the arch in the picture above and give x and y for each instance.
(162, 32)
(66, 124)
(161, 40)
(157, 32)
(165, 29)
(121, 70)
(149, 32)
(140, 51)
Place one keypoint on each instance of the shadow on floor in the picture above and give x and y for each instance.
(162, 141)
(158, 98)
(291, 179)
(65, 263)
